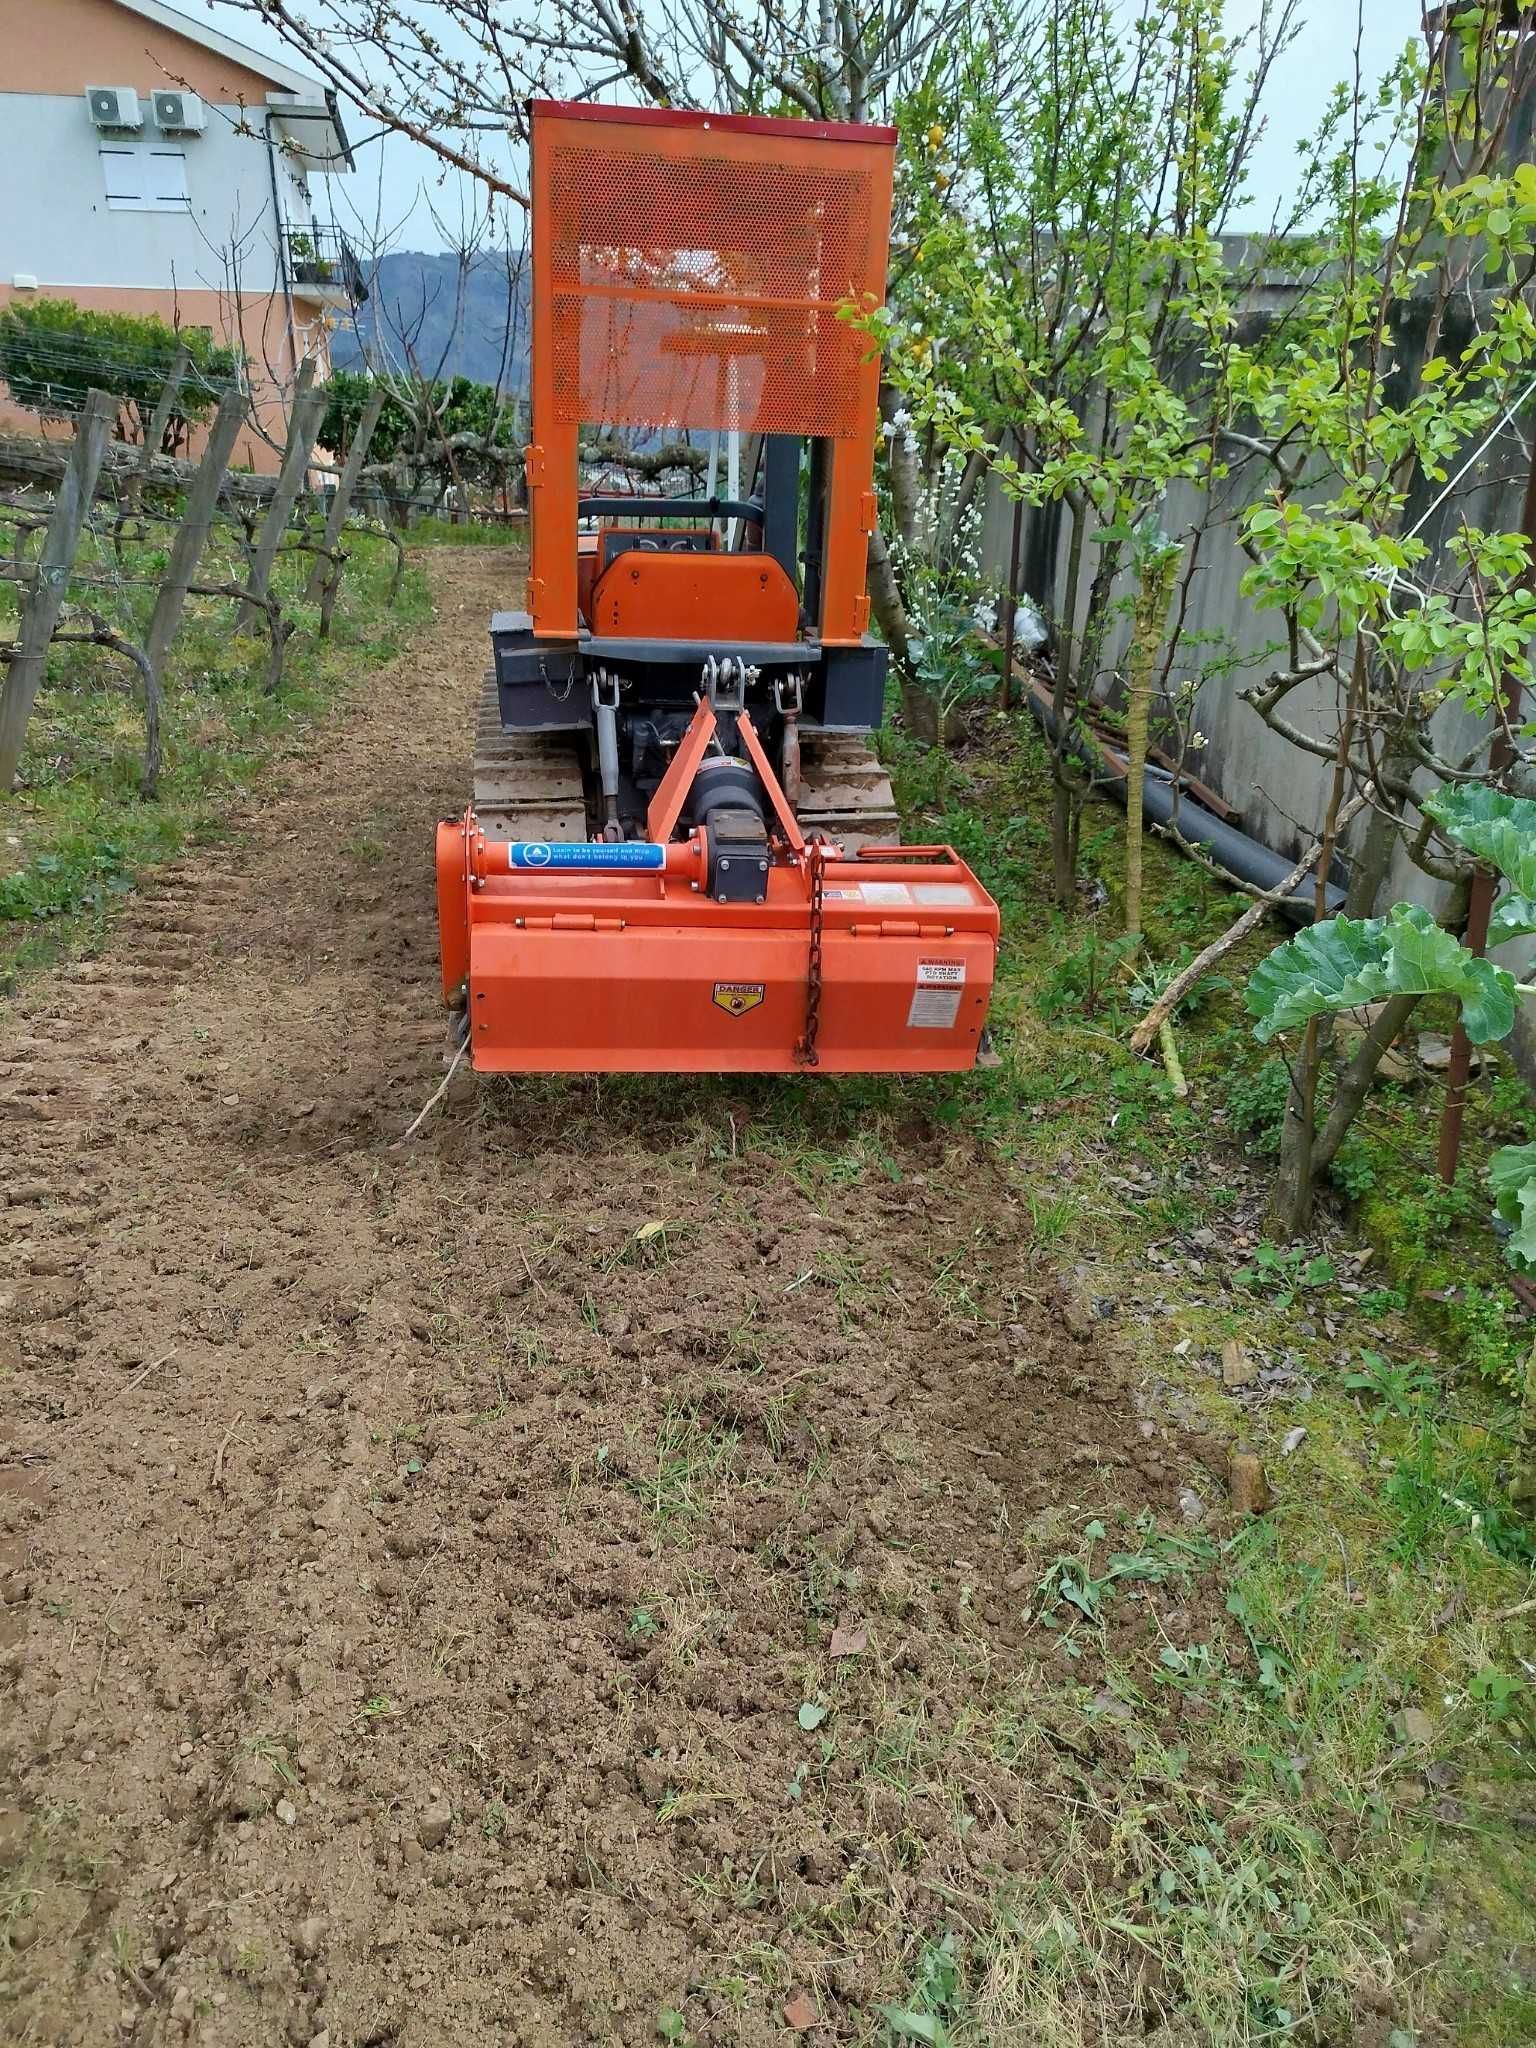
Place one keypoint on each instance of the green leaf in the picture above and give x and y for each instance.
(1344, 963)
(1497, 828)
(811, 1716)
(1512, 1179)
(1514, 917)
(914, 2026)
(1325, 967)
(1425, 960)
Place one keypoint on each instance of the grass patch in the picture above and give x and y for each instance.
(692, 1460)
(77, 832)
(1314, 1821)
(473, 533)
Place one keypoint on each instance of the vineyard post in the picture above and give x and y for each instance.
(155, 433)
(1013, 601)
(306, 410)
(192, 533)
(324, 570)
(44, 602)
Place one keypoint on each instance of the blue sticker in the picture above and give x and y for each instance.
(626, 853)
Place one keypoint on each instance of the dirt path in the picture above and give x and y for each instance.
(422, 1564)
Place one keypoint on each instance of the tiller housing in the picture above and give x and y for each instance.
(680, 855)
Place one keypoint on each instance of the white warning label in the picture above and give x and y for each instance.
(936, 997)
(886, 892)
(951, 894)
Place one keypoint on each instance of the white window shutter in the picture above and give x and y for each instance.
(168, 180)
(123, 172)
(145, 177)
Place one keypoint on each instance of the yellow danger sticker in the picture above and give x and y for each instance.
(737, 997)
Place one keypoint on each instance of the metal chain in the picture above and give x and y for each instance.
(805, 1051)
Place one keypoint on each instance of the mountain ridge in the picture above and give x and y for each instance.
(442, 314)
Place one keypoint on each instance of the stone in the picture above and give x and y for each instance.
(1247, 1485)
(309, 1935)
(1238, 1366)
(432, 1828)
(1078, 1317)
(1414, 1725)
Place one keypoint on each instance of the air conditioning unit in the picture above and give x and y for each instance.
(114, 106)
(179, 113)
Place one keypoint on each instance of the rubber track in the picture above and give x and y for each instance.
(527, 784)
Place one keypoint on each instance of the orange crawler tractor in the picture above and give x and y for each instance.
(681, 852)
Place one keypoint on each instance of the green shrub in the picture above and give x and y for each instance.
(1354, 1167)
(1256, 1105)
(52, 352)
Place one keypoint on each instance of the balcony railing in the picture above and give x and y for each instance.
(322, 256)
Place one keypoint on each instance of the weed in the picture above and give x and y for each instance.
(1050, 1216)
(1509, 1104)
(1354, 1167)
(746, 1346)
(691, 1457)
(273, 1751)
(468, 533)
(1438, 1497)
(935, 1983)
(1285, 1274)
(1395, 1389)
(1195, 1665)
(1504, 1696)
(1383, 1301)
(1087, 980)
(1153, 978)
(86, 833)
(1083, 1582)
(1256, 1105)
(650, 1245)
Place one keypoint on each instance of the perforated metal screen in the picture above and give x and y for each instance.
(695, 275)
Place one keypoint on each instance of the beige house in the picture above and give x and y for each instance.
(154, 165)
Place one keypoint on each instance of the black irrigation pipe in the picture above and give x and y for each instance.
(1246, 858)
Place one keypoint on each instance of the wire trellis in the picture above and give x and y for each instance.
(109, 591)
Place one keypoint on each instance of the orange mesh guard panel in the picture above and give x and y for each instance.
(688, 272)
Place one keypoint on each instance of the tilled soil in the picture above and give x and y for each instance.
(422, 1561)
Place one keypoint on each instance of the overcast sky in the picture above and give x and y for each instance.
(400, 183)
